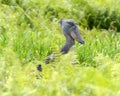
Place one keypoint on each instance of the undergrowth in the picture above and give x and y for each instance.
(29, 31)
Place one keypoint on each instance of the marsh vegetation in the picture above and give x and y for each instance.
(29, 31)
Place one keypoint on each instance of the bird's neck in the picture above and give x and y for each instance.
(69, 43)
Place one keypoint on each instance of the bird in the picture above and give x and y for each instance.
(71, 32)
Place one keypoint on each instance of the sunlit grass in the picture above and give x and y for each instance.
(105, 43)
(27, 35)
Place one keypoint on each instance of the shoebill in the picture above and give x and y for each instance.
(71, 33)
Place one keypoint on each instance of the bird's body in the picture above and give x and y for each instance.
(71, 33)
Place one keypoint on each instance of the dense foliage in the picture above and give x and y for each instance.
(29, 31)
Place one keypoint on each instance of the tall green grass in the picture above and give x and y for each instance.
(29, 31)
(89, 14)
(104, 43)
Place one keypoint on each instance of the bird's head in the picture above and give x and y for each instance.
(61, 20)
(74, 33)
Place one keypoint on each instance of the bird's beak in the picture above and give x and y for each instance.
(77, 37)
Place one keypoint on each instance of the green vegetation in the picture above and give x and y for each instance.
(29, 31)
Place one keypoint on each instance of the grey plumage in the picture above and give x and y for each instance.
(71, 32)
